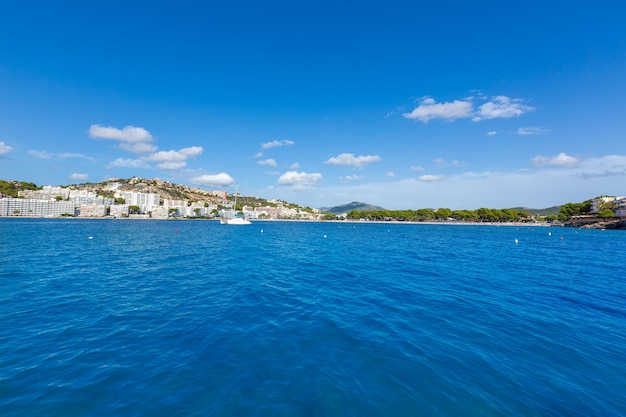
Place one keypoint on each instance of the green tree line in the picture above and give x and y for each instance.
(424, 214)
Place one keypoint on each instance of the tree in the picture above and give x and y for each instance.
(133, 209)
(605, 214)
(443, 213)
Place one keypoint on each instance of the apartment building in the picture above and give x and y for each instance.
(26, 207)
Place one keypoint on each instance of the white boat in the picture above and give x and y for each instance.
(235, 220)
(238, 220)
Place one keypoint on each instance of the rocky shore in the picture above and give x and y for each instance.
(597, 223)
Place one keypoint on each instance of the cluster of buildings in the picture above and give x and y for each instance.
(615, 204)
(58, 202)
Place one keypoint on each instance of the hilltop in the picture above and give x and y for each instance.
(346, 208)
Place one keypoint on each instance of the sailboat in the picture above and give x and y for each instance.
(238, 220)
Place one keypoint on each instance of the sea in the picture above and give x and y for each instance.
(193, 318)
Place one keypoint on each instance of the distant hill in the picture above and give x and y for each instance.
(550, 211)
(346, 208)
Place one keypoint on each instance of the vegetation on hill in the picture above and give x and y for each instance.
(355, 205)
(11, 188)
(549, 211)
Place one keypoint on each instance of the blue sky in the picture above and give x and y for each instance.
(402, 104)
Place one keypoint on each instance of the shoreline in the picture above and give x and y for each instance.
(446, 223)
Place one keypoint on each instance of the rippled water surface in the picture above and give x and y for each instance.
(184, 318)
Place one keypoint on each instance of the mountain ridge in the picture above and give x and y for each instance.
(345, 208)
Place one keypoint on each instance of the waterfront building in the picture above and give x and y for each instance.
(27, 207)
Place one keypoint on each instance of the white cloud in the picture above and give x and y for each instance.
(269, 162)
(40, 154)
(561, 160)
(276, 143)
(351, 178)
(66, 155)
(416, 168)
(217, 180)
(299, 180)
(349, 159)
(440, 161)
(174, 159)
(502, 107)
(499, 107)
(294, 166)
(127, 163)
(79, 177)
(130, 134)
(429, 109)
(531, 131)
(4, 148)
(432, 178)
(132, 139)
(391, 174)
(492, 133)
(138, 148)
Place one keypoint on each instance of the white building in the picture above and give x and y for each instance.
(119, 210)
(145, 201)
(596, 203)
(619, 202)
(160, 212)
(92, 210)
(36, 208)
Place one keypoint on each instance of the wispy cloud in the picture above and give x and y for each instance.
(390, 174)
(492, 133)
(216, 180)
(174, 159)
(429, 109)
(560, 160)
(269, 162)
(4, 148)
(79, 177)
(48, 155)
(502, 107)
(132, 139)
(443, 162)
(299, 180)
(40, 154)
(127, 163)
(531, 131)
(431, 178)
(351, 178)
(276, 143)
(416, 168)
(499, 107)
(349, 159)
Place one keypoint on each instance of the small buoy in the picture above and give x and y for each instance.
(549, 233)
(516, 241)
(261, 230)
(90, 237)
(561, 237)
(176, 230)
(324, 236)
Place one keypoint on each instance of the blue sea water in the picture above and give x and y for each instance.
(194, 318)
